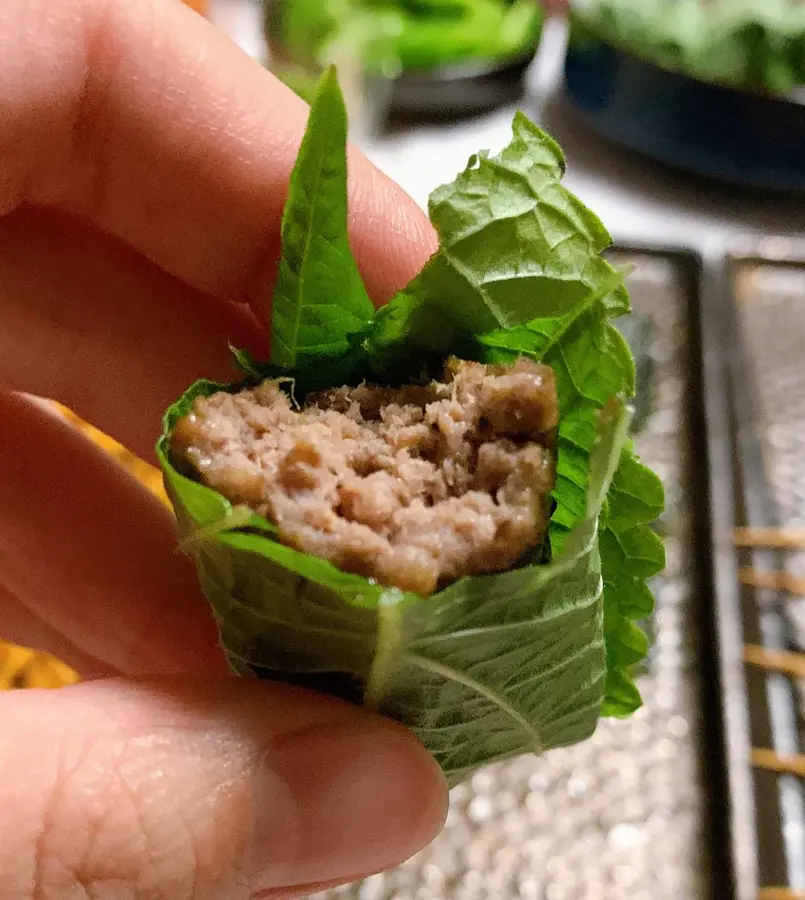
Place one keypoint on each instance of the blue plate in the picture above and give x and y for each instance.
(741, 137)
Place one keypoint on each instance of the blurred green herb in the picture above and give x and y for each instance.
(745, 43)
(408, 35)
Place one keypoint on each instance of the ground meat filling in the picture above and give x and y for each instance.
(414, 487)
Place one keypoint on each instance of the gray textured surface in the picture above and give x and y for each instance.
(621, 816)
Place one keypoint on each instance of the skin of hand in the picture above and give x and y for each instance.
(143, 167)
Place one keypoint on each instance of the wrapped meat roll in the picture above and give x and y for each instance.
(434, 508)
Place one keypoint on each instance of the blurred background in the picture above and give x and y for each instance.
(683, 122)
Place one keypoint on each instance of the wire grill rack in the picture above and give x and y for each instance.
(761, 289)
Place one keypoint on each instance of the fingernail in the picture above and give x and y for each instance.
(343, 801)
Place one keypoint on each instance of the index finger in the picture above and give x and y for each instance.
(144, 118)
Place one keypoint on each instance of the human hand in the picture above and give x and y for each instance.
(143, 165)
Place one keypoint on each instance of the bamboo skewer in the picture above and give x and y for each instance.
(783, 765)
(779, 581)
(776, 660)
(771, 538)
(786, 663)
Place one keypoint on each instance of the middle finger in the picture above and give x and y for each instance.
(89, 322)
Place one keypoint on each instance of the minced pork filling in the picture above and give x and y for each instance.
(413, 487)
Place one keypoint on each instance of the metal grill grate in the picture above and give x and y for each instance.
(765, 294)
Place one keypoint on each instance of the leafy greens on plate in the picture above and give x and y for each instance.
(755, 44)
(492, 665)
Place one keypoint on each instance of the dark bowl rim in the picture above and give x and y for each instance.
(474, 68)
(768, 108)
(468, 71)
(738, 88)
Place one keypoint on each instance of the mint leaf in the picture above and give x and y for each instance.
(516, 248)
(512, 240)
(319, 298)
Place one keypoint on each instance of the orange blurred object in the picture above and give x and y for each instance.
(200, 6)
(24, 668)
(144, 472)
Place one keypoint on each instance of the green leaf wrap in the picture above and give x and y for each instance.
(491, 667)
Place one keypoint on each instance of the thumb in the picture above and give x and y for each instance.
(203, 790)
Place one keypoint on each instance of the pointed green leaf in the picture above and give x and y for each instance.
(319, 299)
